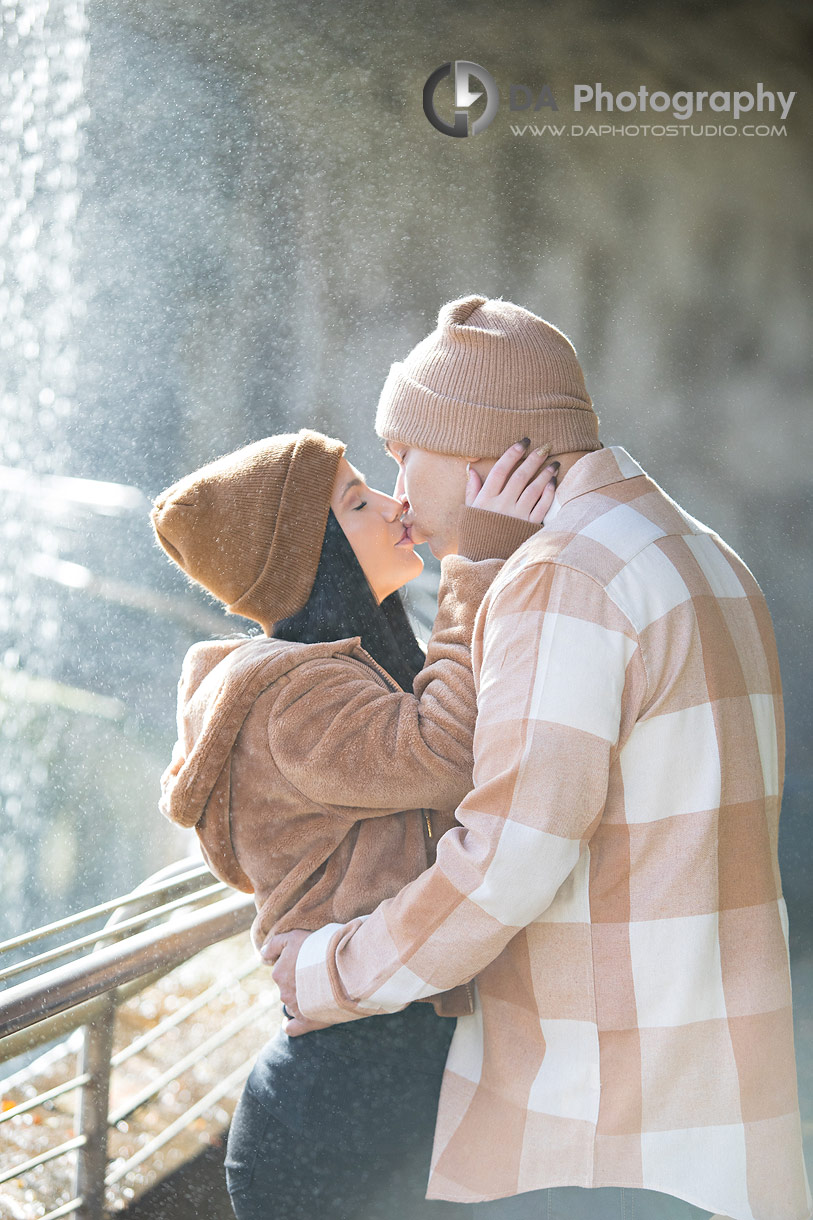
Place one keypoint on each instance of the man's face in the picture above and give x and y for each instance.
(435, 486)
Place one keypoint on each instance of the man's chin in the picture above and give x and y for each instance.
(439, 548)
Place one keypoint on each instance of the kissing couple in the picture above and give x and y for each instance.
(520, 891)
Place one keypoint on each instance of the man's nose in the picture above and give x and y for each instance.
(399, 492)
(392, 509)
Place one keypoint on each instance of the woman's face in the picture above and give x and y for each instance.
(370, 520)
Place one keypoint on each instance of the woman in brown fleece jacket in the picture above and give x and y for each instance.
(320, 783)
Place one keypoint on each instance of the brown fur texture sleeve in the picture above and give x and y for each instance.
(346, 741)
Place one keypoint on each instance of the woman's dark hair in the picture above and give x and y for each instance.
(342, 604)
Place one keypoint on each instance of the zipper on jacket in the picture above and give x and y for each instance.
(379, 672)
(428, 839)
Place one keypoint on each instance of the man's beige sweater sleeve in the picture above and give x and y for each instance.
(554, 656)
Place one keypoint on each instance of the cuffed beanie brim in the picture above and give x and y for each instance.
(490, 374)
(250, 526)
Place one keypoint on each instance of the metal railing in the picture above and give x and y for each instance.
(153, 930)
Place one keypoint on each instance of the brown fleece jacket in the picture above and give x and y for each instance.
(290, 755)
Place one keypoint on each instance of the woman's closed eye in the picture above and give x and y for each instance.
(358, 506)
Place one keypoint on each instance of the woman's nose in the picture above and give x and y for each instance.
(392, 508)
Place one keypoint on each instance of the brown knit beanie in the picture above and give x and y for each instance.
(249, 527)
(488, 375)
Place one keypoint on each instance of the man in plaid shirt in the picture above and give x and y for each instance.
(613, 884)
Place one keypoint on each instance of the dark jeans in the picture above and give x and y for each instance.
(338, 1124)
(576, 1203)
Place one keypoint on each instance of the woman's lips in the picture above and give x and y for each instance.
(406, 538)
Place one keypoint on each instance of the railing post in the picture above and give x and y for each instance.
(92, 1109)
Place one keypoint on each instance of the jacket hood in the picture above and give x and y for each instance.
(219, 683)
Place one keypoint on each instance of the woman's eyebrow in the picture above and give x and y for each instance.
(358, 481)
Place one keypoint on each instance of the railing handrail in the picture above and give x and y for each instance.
(87, 992)
(197, 876)
(113, 930)
(35, 1000)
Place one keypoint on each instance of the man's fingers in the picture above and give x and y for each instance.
(295, 1027)
(300, 1025)
(272, 949)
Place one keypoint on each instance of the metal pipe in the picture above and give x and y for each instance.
(31, 1002)
(51, 1155)
(88, 990)
(91, 1161)
(211, 993)
(65, 1209)
(186, 880)
(124, 925)
(64, 1023)
(49, 1095)
(212, 1043)
(200, 1107)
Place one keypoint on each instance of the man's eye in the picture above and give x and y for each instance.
(358, 506)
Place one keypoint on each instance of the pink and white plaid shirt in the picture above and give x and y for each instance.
(614, 884)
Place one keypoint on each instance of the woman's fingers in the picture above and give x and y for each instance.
(539, 483)
(496, 478)
(544, 486)
(511, 473)
(474, 486)
(517, 489)
(508, 478)
(526, 472)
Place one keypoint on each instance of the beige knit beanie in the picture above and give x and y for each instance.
(490, 374)
(249, 526)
